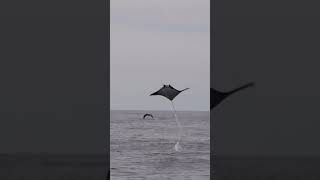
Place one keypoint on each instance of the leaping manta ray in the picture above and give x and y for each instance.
(146, 115)
(170, 92)
(217, 97)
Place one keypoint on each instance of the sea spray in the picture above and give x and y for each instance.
(177, 146)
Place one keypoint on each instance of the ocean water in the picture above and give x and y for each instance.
(144, 148)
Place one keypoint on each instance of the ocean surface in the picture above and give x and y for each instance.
(144, 148)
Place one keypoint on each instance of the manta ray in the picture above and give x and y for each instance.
(147, 115)
(170, 93)
(217, 96)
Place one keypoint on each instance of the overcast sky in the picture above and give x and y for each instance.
(156, 42)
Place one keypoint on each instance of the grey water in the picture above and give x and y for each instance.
(144, 148)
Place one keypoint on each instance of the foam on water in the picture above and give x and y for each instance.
(177, 147)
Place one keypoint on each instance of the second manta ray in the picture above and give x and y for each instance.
(217, 97)
(169, 92)
(147, 115)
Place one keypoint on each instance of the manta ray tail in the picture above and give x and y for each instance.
(242, 88)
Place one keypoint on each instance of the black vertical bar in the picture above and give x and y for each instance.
(107, 68)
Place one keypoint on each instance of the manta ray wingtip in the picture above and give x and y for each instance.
(152, 94)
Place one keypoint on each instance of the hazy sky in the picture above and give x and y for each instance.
(156, 42)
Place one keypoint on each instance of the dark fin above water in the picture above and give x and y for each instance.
(146, 115)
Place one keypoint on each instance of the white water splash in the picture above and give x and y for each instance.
(177, 146)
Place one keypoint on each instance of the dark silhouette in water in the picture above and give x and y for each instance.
(217, 97)
(146, 115)
(168, 91)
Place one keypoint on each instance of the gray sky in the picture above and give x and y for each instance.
(156, 42)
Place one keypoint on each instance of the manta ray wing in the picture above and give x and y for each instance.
(216, 97)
